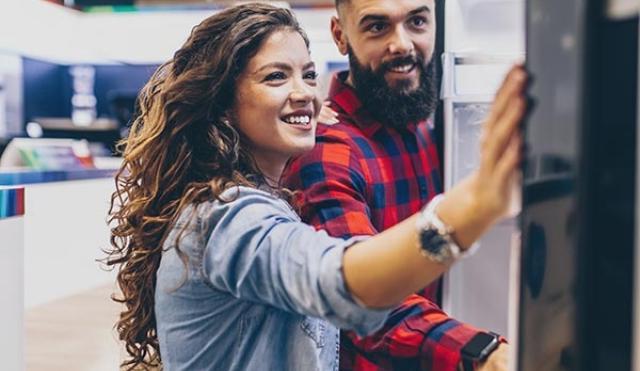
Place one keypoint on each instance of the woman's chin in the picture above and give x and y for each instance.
(303, 148)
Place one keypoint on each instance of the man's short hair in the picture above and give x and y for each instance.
(340, 4)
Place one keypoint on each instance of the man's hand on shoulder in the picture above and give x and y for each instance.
(327, 116)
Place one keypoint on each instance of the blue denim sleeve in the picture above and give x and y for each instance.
(258, 250)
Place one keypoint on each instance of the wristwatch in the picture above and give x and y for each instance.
(435, 237)
(478, 349)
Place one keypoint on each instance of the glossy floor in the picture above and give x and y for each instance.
(74, 333)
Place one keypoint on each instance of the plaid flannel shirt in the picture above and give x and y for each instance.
(361, 178)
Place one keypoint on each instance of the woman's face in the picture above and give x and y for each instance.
(276, 104)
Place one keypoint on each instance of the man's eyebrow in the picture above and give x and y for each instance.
(379, 17)
(419, 10)
(372, 18)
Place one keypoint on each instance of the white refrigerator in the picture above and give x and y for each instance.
(483, 39)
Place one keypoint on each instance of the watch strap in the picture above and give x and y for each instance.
(468, 365)
(428, 220)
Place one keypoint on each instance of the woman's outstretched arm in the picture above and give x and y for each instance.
(381, 271)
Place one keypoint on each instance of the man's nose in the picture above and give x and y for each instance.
(400, 42)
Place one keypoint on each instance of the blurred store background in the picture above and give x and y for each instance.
(70, 72)
(72, 69)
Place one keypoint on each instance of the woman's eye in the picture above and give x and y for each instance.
(275, 76)
(311, 75)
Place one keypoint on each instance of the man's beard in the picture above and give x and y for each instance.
(395, 106)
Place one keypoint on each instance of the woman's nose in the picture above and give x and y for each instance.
(302, 94)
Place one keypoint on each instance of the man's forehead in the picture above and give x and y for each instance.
(358, 9)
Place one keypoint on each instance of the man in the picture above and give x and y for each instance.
(378, 166)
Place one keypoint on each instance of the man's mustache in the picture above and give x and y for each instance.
(401, 61)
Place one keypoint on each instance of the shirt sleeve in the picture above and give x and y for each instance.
(417, 334)
(259, 251)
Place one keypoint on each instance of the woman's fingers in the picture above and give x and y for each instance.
(508, 164)
(501, 146)
(504, 120)
(504, 129)
(513, 84)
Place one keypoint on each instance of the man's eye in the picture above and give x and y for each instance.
(275, 76)
(311, 75)
(418, 22)
(376, 27)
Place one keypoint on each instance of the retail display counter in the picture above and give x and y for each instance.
(48, 176)
(12, 209)
(65, 231)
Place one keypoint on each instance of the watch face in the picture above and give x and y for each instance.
(480, 346)
(432, 242)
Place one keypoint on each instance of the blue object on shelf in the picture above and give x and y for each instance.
(11, 202)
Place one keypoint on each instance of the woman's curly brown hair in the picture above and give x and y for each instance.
(182, 149)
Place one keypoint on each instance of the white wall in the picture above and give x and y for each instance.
(485, 26)
(43, 30)
(40, 29)
(147, 37)
(153, 37)
(11, 279)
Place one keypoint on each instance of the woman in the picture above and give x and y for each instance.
(216, 270)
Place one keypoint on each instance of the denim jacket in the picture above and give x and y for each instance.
(251, 287)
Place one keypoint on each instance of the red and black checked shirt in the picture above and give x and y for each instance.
(361, 178)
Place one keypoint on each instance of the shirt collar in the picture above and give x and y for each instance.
(345, 98)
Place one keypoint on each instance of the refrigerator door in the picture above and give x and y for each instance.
(578, 217)
(483, 39)
(476, 289)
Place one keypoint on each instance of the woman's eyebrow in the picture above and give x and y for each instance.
(279, 65)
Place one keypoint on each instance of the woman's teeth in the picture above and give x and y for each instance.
(297, 120)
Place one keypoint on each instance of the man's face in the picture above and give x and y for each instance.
(389, 38)
(390, 47)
